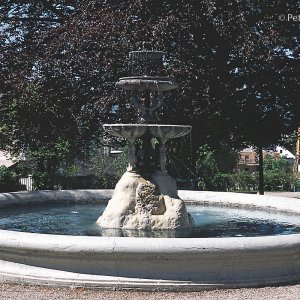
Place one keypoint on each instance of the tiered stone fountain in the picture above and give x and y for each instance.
(146, 196)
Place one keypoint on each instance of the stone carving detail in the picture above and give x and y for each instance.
(162, 156)
(146, 113)
(149, 200)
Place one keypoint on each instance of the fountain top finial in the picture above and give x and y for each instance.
(147, 55)
(146, 66)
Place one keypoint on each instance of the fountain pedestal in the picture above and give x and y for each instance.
(138, 203)
(146, 196)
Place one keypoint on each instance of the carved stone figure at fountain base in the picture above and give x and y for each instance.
(140, 203)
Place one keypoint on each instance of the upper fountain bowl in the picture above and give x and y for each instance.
(147, 83)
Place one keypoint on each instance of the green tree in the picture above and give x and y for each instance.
(236, 61)
(206, 167)
(9, 180)
(48, 160)
(244, 181)
(276, 164)
(279, 174)
(109, 170)
(213, 172)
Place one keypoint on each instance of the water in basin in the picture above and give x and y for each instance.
(210, 221)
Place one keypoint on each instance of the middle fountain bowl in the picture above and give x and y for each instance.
(161, 131)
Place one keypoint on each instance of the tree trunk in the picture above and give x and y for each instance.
(261, 185)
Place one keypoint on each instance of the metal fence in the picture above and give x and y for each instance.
(26, 183)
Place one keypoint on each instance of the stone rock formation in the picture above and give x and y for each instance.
(137, 203)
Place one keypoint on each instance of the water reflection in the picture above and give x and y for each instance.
(146, 233)
(80, 219)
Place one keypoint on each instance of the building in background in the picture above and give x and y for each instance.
(283, 153)
(249, 158)
(6, 160)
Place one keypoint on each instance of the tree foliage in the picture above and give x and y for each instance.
(237, 64)
(9, 180)
(278, 174)
(109, 170)
(277, 164)
(214, 166)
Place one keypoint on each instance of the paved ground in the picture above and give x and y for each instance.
(20, 292)
(284, 194)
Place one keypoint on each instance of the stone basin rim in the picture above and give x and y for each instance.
(170, 264)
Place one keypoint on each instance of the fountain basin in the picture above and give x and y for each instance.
(150, 264)
(147, 83)
(130, 131)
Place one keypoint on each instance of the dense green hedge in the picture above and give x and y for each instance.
(278, 174)
(245, 181)
(9, 181)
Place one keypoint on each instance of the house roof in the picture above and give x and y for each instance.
(247, 150)
(6, 163)
(6, 160)
(285, 153)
